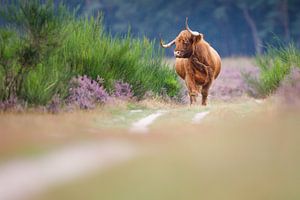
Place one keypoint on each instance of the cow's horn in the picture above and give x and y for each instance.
(167, 45)
(195, 33)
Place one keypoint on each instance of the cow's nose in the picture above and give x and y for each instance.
(176, 53)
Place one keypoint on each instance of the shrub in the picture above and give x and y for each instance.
(122, 90)
(9, 47)
(39, 31)
(49, 78)
(232, 85)
(91, 51)
(289, 90)
(9, 103)
(47, 46)
(54, 105)
(273, 66)
(85, 92)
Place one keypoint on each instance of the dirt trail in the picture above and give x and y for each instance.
(20, 179)
(141, 126)
(199, 116)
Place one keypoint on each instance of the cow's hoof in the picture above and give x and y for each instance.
(204, 104)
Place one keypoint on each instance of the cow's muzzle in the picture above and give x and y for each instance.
(177, 54)
(181, 54)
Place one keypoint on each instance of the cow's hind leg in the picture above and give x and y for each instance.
(205, 88)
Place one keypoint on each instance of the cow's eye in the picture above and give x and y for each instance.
(186, 42)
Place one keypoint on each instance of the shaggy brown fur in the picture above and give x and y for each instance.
(197, 63)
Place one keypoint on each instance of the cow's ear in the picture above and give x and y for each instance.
(198, 37)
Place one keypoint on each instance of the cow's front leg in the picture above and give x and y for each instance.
(192, 97)
(192, 89)
(191, 84)
(204, 93)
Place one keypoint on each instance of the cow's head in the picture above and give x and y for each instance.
(184, 42)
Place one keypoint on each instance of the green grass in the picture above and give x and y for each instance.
(273, 66)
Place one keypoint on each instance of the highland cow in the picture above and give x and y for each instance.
(196, 62)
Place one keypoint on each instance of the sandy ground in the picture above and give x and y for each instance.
(22, 178)
(235, 148)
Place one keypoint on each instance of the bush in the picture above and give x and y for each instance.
(273, 66)
(91, 51)
(9, 47)
(85, 92)
(289, 90)
(122, 90)
(49, 78)
(48, 46)
(38, 32)
(10, 104)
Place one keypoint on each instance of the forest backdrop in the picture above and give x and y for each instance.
(234, 27)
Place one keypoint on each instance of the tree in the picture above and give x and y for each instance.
(40, 32)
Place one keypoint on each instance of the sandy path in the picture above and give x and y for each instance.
(199, 117)
(20, 179)
(142, 125)
(25, 177)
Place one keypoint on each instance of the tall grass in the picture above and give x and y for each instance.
(274, 66)
(80, 47)
(90, 50)
(48, 79)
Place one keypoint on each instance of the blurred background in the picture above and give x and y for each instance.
(233, 27)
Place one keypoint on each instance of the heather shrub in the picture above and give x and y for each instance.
(86, 93)
(289, 90)
(122, 90)
(273, 67)
(54, 105)
(231, 84)
(11, 104)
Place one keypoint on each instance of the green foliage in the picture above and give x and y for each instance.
(41, 26)
(49, 78)
(91, 51)
(10, 45)
(38, 33)
(48, 46)
(274, 66)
